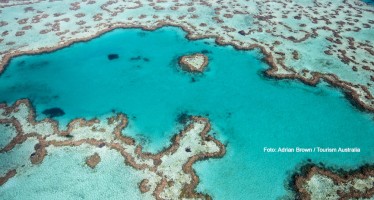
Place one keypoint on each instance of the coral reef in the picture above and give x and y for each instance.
(169, 173)
(194, 63)
(316, 182)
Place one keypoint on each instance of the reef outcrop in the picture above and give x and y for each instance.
(93, 160)
(193, 63)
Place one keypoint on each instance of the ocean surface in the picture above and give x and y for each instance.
(247, 110)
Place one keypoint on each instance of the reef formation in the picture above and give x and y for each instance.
(315, 182)
(168, 174)
(194, 63)
(307, 40)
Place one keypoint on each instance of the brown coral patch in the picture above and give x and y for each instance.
(143, 185)
(7, 176)
(93, 160)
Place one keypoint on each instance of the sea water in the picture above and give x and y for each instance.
(247, 110)
(370, 2)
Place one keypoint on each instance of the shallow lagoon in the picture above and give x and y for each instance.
(248, 111)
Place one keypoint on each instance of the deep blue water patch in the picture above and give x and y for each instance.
(53, 112)
(113, 56)
(371, 2)
(248, 111)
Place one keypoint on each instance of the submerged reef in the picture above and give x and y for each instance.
(168, 174)
(316, 182)
(113, 56)
(305, 40)
(194, 63)
(53, 112)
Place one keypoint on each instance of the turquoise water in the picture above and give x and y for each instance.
(248, 112)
